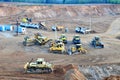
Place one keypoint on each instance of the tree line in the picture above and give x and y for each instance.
(66, 1)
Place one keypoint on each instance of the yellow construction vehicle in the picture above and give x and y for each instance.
(77, 49)
(38, 66)
(38, 40)
(57, 47)
(28, 41)
(41, 40)
(63, 38)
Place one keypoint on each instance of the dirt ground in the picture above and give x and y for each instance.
(13, 55)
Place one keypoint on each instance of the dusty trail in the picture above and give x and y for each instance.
(114, 28)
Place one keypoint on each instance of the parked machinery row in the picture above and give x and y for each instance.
(61, 45)
(27, 22)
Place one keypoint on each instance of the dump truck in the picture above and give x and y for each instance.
(38, 66)
(77, 49)
(96, 42)
(57, 47)
(63, 38)
(76, 39)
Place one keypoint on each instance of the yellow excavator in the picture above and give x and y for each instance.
(77, 49)
(37, 40)
(41, 40)
(38, 66)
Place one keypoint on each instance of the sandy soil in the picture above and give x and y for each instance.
(13, 55)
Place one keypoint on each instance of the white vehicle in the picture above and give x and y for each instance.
(82, 30)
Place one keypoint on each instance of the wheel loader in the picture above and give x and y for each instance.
(96, 43)
(38, 66)
(57, 47)
(63, 38)
(77, 49)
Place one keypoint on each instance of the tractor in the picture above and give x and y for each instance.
(38, 66)
(76, 39)
(63, 38)
(96, 43)
(77, 49)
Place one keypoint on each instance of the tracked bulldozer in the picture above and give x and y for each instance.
(38, 66)
(96, 43)
(77, 49)
(57, 47)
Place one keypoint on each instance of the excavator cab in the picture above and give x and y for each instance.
(63, 38)
(76, 39)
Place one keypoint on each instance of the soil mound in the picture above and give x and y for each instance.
(70, 72)
(74, 74)
(112, 77)
(62, 69)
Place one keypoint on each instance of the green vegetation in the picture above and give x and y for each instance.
(66, 1)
